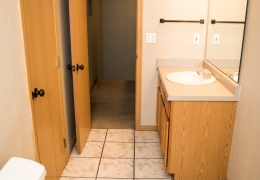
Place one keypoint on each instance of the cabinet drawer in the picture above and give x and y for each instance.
(166, 103)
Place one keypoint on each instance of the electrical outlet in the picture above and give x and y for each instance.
(196, 39)
(150, 38)
(216, 38)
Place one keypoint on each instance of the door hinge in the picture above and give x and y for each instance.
(57, 62)
(65, 143)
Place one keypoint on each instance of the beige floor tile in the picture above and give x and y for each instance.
(118, 150)
(148, 150)
(81, 167)
(116, 168)
(97, 135)
(91, 149)
(150, 168)
(146, 136)
(120, 135)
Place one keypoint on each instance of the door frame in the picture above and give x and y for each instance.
(139, 50)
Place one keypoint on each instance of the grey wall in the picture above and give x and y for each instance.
(95, 42)
(244, 163)
(119, 36)
(66, 74)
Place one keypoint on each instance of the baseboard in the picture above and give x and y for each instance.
(148, 128)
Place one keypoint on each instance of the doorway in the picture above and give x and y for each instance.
(112, 58)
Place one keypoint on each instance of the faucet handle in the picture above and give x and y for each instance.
(207, 73)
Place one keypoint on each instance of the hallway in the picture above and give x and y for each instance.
(113, 105)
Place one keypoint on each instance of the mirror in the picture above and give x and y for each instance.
(225, 35)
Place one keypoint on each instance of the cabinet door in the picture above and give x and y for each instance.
(200, 139)
(164, 137)
(166, 134)
(162, 117)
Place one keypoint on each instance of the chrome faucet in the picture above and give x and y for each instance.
(236, 73)
(206, 74)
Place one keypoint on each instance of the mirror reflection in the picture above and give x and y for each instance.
(225, 35)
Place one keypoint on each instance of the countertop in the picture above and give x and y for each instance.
(178, 92)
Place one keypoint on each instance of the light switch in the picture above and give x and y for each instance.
(196, 39)
(216, 38)
(150, 38)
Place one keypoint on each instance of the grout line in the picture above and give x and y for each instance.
(114, 158)
(101, 153)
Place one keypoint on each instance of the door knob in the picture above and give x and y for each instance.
(71, 67)
(36, 93)
(80, 67)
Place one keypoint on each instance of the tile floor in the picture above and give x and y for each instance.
(117, 154)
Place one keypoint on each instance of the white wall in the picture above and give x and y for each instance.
(119, 39)
(174, 40)
(15, 114)
(244, 163)
(95, 42)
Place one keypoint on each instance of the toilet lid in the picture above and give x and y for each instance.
(22, 169)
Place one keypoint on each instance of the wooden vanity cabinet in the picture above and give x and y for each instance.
(195, 137)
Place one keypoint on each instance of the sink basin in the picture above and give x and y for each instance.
(189, 78)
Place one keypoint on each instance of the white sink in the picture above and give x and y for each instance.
(189, 78)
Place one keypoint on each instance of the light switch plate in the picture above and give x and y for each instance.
(196, 39)
(216, 38)
(150, 38)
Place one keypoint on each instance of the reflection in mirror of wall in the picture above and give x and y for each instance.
(225, 37)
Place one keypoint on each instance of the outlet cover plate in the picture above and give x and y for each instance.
(150, 38)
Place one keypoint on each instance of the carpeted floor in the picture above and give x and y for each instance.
(113, 105)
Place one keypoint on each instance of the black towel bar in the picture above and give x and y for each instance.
(201, 21)
(213, 21)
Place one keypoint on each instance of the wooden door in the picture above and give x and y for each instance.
(79, 51)
(40, 36)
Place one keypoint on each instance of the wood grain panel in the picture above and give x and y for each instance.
(162, 128)
(200, 139)
(167, 104)
(41, 49)
(139, 54)
(158, 106)
(165, 152)
(79, 52)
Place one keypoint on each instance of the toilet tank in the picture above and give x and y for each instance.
(22, 169)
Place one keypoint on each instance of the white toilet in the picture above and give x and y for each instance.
(22, 169)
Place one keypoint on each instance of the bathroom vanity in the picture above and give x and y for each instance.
(195, 124)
